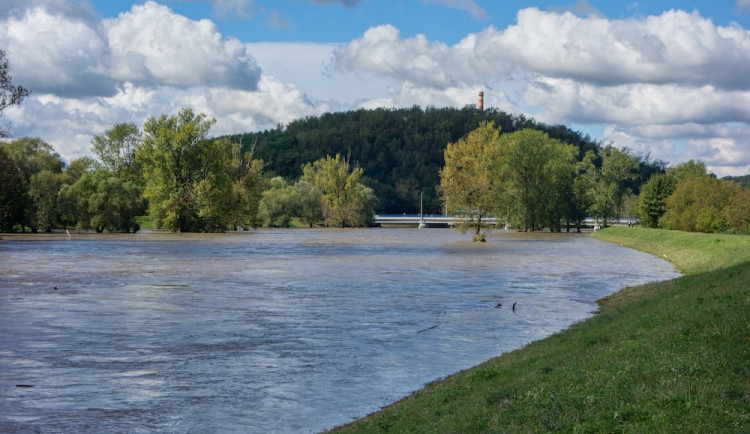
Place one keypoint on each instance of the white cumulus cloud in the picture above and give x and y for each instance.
(60, 52)
(673, 47)
(674, 85)
(151, 45)
(640, 75)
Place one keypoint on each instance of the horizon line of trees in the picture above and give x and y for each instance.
(534, 178)
(184, 180)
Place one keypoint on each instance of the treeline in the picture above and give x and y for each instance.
(399, 150)
(338, 169)
(532, 181)
(688, 198)
(186, 181)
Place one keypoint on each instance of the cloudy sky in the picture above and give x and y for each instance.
(666, 78)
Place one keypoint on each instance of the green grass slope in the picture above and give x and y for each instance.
(663, 357)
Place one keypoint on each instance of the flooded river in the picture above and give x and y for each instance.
(274, 331)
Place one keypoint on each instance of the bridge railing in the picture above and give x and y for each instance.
(443, 220)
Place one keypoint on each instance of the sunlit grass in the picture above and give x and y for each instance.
(145, 222)
(662, 357)
(690, 252)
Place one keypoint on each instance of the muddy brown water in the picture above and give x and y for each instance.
(274, 331)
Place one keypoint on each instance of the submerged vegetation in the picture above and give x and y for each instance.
(662, 357)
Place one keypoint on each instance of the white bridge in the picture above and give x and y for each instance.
(449, 221)
(425, 220)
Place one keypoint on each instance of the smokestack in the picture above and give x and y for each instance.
(480, 104)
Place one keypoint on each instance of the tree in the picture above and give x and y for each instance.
(697, 202)
(346, 202)
(12, 192)
(687, 169)
(606, 183)
(29, 156)
(652, 202)
(116, 150)
(400, 150)
(73, 199)
(737, 211)
(246, 174)
(310, 202)
(470, 179)
(580, 200)
(559, 173)
(9, 94)
(70, 207)
(173, 162)
(114, 205)
(43, 189)
(538, 174)
(651, 205)
(278, 204)
(77, 168)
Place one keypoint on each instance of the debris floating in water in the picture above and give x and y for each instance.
(429, 328)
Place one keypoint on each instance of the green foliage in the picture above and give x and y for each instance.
(77, 168)
(652, 202)
(193, 183)
(43, 188)
(538, 173)
(278, 204)
(742, 181)
(400, 150)
(246, 174)
(470, 180)
(688, 169)
(12, 193)
(346, 202)
(114, 205)
(70, 206)
(737, 212)
(173, 157)
(28, 197)
(310, 202)
(116, 150)
(697, 202)
(606, 184)
(101, 201)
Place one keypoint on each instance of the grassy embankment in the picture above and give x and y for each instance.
(663, 357)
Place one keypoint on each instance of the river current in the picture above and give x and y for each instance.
(275, 331)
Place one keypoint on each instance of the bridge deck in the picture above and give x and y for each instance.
(446, 221)
(427, 220)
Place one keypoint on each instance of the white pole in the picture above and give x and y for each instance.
(421, 211)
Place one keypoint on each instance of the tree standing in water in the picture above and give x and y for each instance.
(470, 179)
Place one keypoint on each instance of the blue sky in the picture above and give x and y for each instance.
(298, 20)
(670, 79)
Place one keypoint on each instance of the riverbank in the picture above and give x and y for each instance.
(663, 357)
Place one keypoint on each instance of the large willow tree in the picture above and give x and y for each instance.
(193, 183)
(470, 181)
(171, 157)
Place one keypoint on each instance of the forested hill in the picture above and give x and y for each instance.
(400, 150)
